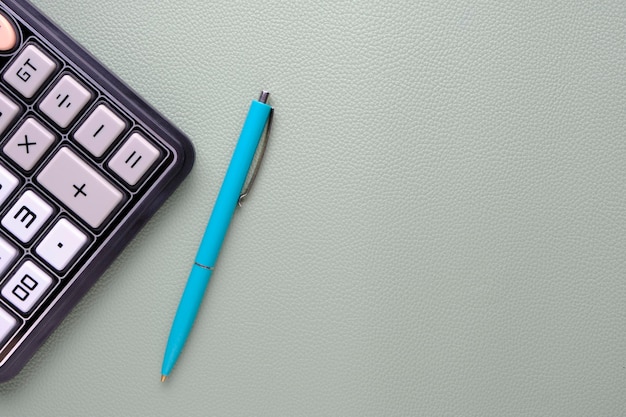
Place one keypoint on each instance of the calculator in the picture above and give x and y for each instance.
(84, 163)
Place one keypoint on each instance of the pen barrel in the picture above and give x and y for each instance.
(223, 210)
(232, 185)
(185, 315)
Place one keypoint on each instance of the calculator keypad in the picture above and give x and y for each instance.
(83, 163)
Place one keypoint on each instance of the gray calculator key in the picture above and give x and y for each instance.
(134, 159)
(29, 71)
(8, 183)
(8, 111)
(100, 130)
(80, 187)
(29, 143)
(63, 103)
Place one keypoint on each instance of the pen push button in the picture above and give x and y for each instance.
(8, 112)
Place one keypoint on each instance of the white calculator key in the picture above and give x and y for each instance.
(100, 130)
(65, 101)
(29, 71)
(27, 287)
(29, 143)
(7, 324)
(61, 244)
(8, 183)
(7, 255)
(27, 216)
(80, 187)
(134, 158)
(8, 111)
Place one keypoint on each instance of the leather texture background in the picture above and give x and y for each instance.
(438, 228)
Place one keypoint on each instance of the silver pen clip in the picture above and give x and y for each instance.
(260, 151)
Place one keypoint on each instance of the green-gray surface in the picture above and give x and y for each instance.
(438, 228)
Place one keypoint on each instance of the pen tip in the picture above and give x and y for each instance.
(163, 378)
(264, 96)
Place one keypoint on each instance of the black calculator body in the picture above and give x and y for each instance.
(84, 163)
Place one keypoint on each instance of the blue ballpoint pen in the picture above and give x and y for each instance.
(225, 204)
